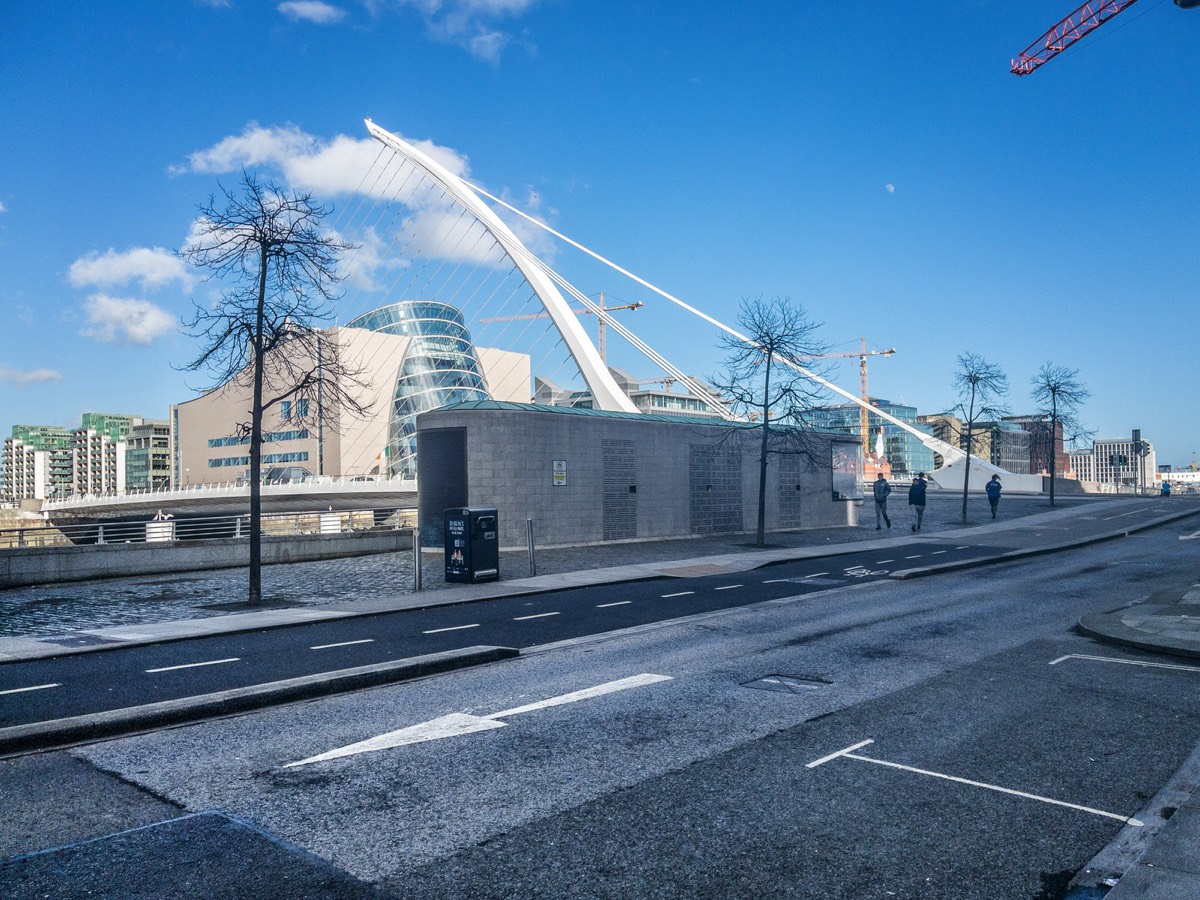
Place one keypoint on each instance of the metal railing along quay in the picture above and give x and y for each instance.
(167, 529)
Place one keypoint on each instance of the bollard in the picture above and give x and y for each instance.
(100, 534)
(532, 561)
(416, 559)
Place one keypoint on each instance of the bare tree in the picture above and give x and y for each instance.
(1059, 393)
(980, 386)
(758, 384)
(278, 266)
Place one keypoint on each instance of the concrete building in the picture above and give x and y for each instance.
(1082, 463)
(1118, 464)
(98, 454)
(660, 401)
(148, 456)
(409, 357)
(37, 463)
(1043, 447)
(585, 476)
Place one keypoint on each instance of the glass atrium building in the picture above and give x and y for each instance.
(439, 368)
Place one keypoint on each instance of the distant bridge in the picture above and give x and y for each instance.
(314, 492)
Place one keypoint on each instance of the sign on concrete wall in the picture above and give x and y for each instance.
(560, 473)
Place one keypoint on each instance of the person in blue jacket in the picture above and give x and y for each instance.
(916, 500)
(880, 490)
(993, 492)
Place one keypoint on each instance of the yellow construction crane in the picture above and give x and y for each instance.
(862, 354)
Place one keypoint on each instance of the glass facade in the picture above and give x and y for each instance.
(440, 368)
(903, 450)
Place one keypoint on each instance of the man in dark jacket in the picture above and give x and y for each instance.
(880, 490)
(916, 500)
(993, 492)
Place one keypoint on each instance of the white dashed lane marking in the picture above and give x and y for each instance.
(211, 662)
(342, 644)
(618, 603)
(451, 628)
(727, 587)
(535, 616)
(680, 594)
(36, 687)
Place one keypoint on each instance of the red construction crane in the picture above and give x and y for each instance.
(1074, 27)
(1062, 35)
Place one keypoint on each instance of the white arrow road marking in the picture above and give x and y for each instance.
(848, 753)
(463, 723)
(36, 687)
(1124, 662)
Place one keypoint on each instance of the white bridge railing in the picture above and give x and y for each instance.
(312, 484)
(166, 529)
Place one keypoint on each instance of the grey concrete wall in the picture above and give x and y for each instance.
(626, 478)
(48, 565)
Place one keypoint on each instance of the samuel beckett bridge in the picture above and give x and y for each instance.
(453, 295)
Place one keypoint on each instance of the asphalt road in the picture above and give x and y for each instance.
(675, 761)
(121, 678)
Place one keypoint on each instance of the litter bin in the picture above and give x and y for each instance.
(472, 544)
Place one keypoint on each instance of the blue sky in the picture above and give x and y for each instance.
(875, 162)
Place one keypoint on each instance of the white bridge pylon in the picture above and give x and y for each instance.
(545, 283)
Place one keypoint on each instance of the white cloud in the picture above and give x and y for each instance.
(22, 379)
(311, 11)
(3, 208)
(470, 24)
(890, 188)
(119, 320)
(432, 225)
(151, 267)
(308, 163)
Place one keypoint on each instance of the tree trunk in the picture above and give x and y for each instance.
(1053, 435)
(761, 538)
(254, 592)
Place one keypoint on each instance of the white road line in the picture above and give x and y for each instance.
(1190, 537)
(211, 662)
(727, 587)
(918, 556)
(618, 603)
(36, 687)
(995, 787)
(849, 753)
(610, 687)
(963, 547)
(463, 723)
(342, 644)
(781, 580)
(1132, 512)
(451, 628)
(833, 756)
(535, 616)
(816, 574)
(1125, 662)
(680, 594)
(880, 562)
(936, 552)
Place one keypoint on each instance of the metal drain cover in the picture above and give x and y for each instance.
(788, 684)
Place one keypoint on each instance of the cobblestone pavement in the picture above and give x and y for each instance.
(61, 609)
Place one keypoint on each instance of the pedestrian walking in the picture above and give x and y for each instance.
(916, 500)
(993, 492)
(880, 490)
